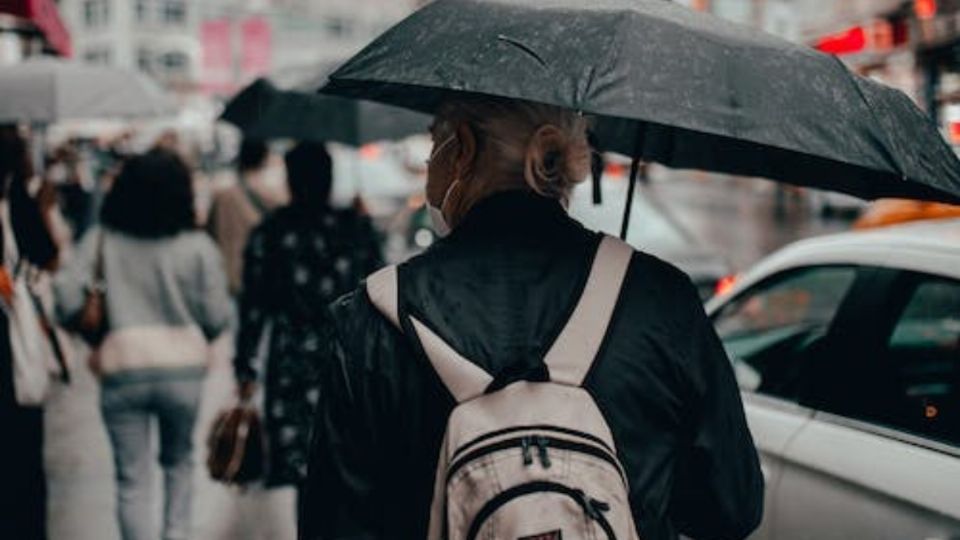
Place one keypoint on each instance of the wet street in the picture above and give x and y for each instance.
(79, 467)
(80, 470)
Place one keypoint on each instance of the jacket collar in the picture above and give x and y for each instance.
(513, 212)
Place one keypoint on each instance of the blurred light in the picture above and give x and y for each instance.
(370, 151)
(423, 238)
(925, 9)
(955, 132)
(701, 5)
(931, 412)
(725, 284)
(615, 169)
(849, 41)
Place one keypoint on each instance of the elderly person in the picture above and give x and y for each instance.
(498, 290)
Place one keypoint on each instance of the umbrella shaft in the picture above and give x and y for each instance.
(631, 187)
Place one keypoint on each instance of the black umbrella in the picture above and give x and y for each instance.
(667, 84)
(262, 110)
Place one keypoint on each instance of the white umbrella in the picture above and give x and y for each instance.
(46, 90)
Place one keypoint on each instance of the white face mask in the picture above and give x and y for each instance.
(439, 222)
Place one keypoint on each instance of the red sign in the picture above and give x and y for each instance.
(217, 56)
(46, 17)
(849, 41)
(255, 49)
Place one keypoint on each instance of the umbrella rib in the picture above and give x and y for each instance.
(873, 114)
(523, 47)
(613, 54)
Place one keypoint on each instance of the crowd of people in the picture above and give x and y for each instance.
(360, 378)
(262, 265)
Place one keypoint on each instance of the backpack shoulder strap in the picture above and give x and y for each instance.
(382, 292)
(572, 354)
(464, 379)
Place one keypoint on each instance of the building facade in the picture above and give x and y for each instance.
(216, 46)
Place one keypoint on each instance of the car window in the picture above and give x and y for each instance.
(923, 356)
(768, 329)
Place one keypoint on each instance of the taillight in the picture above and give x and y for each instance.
(725, 284)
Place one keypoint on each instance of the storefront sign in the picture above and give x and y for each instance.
(217, 56)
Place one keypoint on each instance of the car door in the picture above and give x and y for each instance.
(880, 458)
(768, 330)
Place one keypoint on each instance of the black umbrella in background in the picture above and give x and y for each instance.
(667, 84)
(261, 110)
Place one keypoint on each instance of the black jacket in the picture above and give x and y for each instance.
(499, 290)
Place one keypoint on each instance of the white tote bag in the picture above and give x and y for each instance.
(30, 344)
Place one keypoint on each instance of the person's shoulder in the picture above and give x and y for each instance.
(658, 273)
(658, 292)
(368, 339)
(275, 223)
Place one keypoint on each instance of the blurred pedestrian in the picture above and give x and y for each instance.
(166, 299)
(23, 489)
(67, 171)
(238, 209)
(297, 261)
(491, 300)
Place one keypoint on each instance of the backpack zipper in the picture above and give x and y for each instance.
(593, 508)
(539, 427)
(541, 443)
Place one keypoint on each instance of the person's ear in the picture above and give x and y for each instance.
(467, 150)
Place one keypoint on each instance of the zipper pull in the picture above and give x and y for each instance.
(525, 449)
(542, 444)
(592, 507)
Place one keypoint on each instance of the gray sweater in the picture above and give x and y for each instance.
(166, 299)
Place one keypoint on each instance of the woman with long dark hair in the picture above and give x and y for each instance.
(166, 299)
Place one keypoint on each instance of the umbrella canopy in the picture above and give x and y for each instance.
(264, 111)
(667, 84)
(47, 90)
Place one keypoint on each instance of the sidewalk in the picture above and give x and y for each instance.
(80, 471)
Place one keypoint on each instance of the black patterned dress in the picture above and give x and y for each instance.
(296, 262)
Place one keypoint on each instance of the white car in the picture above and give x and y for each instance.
(847, 351)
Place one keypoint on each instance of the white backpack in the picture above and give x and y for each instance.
(533, 460)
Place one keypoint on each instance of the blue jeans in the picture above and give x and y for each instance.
(128, 409)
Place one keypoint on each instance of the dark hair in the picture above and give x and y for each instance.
(309, 174)
(152, 197)
(252, 155)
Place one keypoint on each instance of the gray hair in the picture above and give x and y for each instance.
(545, 145)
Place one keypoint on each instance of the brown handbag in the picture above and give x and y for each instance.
(91, 323)
(236, 446)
